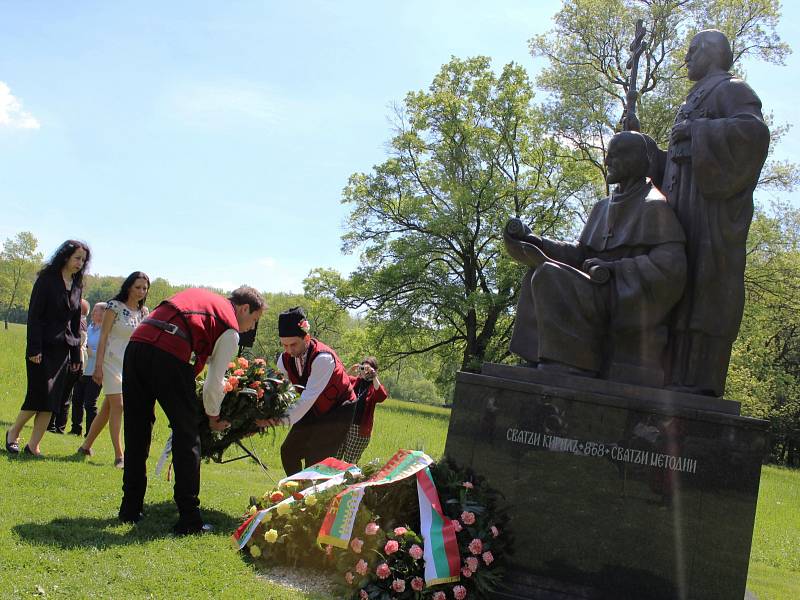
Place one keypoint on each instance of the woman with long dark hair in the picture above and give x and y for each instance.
(54, 340)
(123, 314)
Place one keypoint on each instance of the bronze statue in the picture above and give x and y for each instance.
(717, 148)
(600, 306)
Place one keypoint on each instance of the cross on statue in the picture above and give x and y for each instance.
(608, 234)
(629, 120)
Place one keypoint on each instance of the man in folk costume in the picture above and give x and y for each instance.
(322, 416)
(614, 327)
(717, 148)
(166, 353)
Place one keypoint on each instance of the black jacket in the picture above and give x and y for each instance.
(54, 316)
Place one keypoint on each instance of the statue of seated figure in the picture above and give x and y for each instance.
(599, 307)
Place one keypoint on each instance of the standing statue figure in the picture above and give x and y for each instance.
(717, 148)
(600, 306)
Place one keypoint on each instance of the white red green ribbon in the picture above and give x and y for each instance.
(442, 557)
(338, 524)
(330, 469)
(325, 469)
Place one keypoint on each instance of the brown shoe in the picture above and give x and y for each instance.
(85, 452)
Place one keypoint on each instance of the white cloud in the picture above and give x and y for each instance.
(11, 112)
(222, 102)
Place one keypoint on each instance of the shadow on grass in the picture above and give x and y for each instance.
(95, 532)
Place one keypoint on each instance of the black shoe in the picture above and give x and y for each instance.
(131, 518)
(12, 447)
(30, 452)
(52, 429)
(181, 530)
(75, 431)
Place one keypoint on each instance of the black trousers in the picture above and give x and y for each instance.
(315, 437)
(84, 400)
(150, 374)
(58, 419)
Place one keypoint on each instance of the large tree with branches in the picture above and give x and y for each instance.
(468, 153)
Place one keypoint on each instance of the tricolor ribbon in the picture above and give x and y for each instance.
(330, 469)
(337, 527)
(442, 557)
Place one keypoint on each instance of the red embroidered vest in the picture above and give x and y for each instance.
(202, 315)
(337, 392)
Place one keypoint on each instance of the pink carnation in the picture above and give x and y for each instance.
(399, 585)
(348, 577)
(457, 525)
(417, 584)
(459, 592)
(383, 571)
(439, 596)
(465, 572)
(398, 531)
(487, 557)
(472, 563)
(415, 551)
(468, 517)
(239, 372)
(362, 567)
(363, 595)
(260, 392)
(243, 362)
(259, 361)
(371, 528)
(495, 531)
(476, 546)
(356, 544)
(391, 547)
(468, 485)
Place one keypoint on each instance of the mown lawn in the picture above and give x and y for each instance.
(59, 536)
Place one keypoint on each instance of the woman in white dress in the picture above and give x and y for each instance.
(123, 314)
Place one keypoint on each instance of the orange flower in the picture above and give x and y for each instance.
(231, 365)
(243, 362)
(234, 382)
(255, 385)
(260, 393)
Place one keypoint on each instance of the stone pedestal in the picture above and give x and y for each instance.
(614, 491)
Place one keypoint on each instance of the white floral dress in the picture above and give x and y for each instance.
(125, 321)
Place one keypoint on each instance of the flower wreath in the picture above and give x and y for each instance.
(385, 556)
(253, 391)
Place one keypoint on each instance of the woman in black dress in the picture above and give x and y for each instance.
(54, 339)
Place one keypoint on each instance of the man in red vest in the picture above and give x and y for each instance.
(166, 353)
(322, 416)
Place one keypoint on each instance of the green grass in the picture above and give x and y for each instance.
(59, 536)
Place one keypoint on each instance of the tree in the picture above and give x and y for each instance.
(765, 364)
(467, 154)
(588, 48)
(19, 262)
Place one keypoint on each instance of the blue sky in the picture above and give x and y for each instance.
(208, 142)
